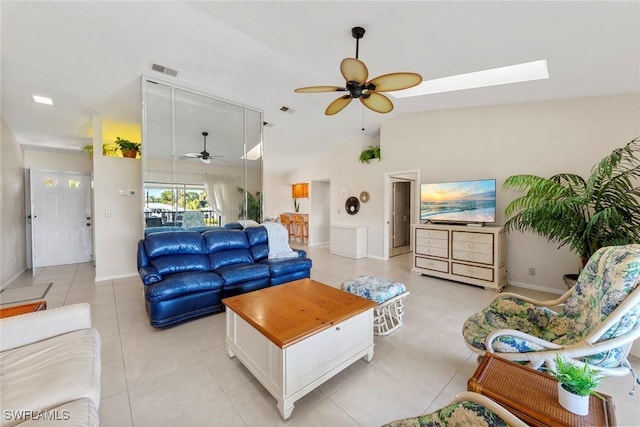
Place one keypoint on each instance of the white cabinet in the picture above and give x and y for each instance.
(349, 241)
(291, 372)
(474, 255)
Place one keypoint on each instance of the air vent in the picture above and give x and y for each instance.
(164, 70)
(284, 108)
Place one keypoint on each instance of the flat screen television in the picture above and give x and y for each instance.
(463, 202)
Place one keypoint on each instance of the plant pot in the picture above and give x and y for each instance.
(129, 153)
(579, 405)
(570, 280)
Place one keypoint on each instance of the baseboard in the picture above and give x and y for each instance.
(537, 288)
(12, 278)
(377, 257)
(318, 243)
(118, 276)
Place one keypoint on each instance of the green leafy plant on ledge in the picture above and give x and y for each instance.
(370, 153)
(120, 148)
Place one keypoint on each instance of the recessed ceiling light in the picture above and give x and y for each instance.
(43, 100)
(528, 71)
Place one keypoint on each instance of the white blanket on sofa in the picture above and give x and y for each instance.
(278, 241)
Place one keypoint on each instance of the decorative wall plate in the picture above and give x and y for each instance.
(364, 197)
(352, 205)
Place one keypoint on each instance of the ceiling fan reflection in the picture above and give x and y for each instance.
(204, 155)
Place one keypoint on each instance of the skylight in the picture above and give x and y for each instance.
(528, 71)
(254, 153)
(43, 100)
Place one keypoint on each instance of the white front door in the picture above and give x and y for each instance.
(60, 218)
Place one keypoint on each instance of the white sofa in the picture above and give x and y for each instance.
(50, 368)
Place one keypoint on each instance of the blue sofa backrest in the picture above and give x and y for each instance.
(227, 247)
(258, 242)
(176, 252)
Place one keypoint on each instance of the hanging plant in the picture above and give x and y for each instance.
(370, 153)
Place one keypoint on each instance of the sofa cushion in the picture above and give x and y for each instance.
(79, 413)
(258, 242)
(283, 266)
(179, 284)
(224, 240)
(236, 273)
(171, 264)
(174, 243)
(51, 372)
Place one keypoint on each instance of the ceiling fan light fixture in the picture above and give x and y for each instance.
(355, 74)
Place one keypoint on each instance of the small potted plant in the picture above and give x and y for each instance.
(369, 154)
(128, 148)
(575, 385)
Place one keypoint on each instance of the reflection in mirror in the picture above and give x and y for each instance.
(187, 185)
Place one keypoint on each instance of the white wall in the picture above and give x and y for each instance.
(13, 258)
(542, 138)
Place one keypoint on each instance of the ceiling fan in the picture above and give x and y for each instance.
(356, 74)
(204, 155)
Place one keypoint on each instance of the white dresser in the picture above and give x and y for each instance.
(474, 255)
(349, 241)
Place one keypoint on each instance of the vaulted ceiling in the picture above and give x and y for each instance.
(89, 56)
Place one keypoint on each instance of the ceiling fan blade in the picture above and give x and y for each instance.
(338, 105)
(354, 70)
(395, 81)
(377, 102)
(192, 155)
(316, 89)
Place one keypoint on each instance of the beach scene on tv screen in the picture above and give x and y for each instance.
(465, 201)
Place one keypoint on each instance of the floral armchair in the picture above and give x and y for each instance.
(597, 323)
(466, 409)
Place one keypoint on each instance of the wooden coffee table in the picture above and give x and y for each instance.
(532, 396)
(295, 336)
(22, 309)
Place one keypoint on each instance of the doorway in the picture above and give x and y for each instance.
(400, 217)
(401, 194)
(60, 218)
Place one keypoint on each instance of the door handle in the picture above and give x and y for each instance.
(88, 224)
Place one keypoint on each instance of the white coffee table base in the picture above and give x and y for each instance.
(291, 372)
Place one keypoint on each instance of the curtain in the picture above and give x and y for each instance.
(224, 197)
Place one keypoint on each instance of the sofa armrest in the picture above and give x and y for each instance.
(150, 275)
(17, 331)
(301, 253)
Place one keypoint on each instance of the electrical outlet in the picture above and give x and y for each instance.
(532, 271)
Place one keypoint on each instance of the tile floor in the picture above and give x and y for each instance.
(182, 376)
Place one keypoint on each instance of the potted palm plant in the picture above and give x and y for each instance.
(583, 214)
(575, 385)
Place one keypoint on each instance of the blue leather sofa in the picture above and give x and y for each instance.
(187, 274)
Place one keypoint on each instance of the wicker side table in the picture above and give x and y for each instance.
(532, 396)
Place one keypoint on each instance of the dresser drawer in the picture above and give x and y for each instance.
(464, 236)
(432, 264)
(432, 251)
(433, 242)
(472, 271)
(480, 257)
(432, 234)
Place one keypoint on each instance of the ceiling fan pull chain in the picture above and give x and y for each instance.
(362, 117)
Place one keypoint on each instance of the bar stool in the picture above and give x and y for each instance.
(285, 220)
(302, 227)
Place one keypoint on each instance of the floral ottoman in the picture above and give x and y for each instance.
(387, 316)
